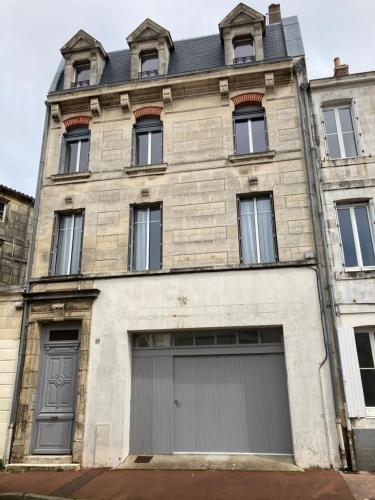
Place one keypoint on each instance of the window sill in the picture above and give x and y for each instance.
(70, 176)
(251, 156)
(355, 274)
(370, 412)
(343, 162)
(138, 170)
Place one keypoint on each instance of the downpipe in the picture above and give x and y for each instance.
(325, 323)
(25, 313)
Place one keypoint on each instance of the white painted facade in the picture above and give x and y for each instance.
(210, 300)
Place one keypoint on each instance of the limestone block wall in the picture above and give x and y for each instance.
(10, 327)
(198, 189)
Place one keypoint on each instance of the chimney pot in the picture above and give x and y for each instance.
(340, 69)
(274, 13)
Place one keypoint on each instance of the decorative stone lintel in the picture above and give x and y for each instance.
(125, 102)
(95, 106)
(248, 157)
(56, 113)
(167, 95)
(146, 169)
(269, 81)
(224, 87)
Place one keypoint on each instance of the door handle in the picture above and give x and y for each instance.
(177, 402)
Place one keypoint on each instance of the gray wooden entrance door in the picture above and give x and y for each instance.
(231, 404)
(55, 407)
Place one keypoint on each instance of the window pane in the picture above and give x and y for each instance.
(84, 156)
(71, 156)
(163, 339)
(150, 62)
(346, 119)
(266, 242)
(183, 339)
(270, 336)
(142, 148)
(155, 233)
(83, 73)
(350, 144)
(140, 239)
(204, 339)
(362, 340)
(247, 228)
(347, 238)
(364, 235)
(243, 48)
(258, 131)
(248, 337)
(333, 146)
(156, 147)
(368, 384)
(143, 340)
(64, 244)
(242, 137)
(76, 247)
(330, 122)
(226, 338)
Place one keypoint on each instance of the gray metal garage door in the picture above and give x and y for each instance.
(218, 398)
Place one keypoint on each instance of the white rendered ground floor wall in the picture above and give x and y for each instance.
(284, 297)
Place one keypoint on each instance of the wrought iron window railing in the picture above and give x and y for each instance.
(81, 83)
(146, 74)
(243, 60)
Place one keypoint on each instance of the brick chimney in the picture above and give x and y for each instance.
(274, 13)
(340, 69)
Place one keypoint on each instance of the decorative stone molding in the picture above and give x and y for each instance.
(167, 95)
(125, 102)
(148, 111)
(269, 81)
(77, 121)
(95, 106)
(224, 87)
(56, 113)
(254, 98)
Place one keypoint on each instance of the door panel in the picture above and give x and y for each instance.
(234, 404)
(56, 399)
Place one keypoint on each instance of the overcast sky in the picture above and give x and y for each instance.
(33, 31)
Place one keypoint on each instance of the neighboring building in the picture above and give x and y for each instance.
(343, 110)
(16, 214)
(174, 304)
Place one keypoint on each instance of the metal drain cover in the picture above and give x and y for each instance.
(143, 459)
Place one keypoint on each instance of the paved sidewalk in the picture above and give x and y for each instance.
(104, 484)
(362, 485)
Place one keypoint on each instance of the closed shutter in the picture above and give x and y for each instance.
(351, 374)
(62, 156)
(130, 241)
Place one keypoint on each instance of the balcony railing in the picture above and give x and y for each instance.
(147, 74)
(80, 83)
(243, 60)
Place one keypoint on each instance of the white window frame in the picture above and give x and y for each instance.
(351, 207)
(250, 132)
(71, 235)
(340, 137)
(370, 410)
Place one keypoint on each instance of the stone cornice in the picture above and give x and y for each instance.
(168, 81)
(345, 81)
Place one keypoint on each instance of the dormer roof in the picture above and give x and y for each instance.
(241, 15)
(82, 41)
(149, 30)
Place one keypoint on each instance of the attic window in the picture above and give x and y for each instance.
(149, 65)
(82, 77)
(243, 50)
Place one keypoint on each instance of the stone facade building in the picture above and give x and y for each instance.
(174, 304)
(16, 215)
(343, 109)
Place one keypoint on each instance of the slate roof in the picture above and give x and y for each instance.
(190, 55)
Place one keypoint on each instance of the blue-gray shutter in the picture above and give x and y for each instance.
(54, 242)
(130, 241)
(62, 156)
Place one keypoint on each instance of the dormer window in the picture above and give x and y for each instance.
(149, 65)
(243, 50)
(82, 75)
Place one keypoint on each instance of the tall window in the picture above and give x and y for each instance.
(75, 151)
(356, 235)
(148, 147)
(243, 51)
(257, 230)
(145, 238)
(249, 130)
(82, 75)
(365, 342)
(149, 64)
(66, 256)
(2, 211)
(339, 132)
